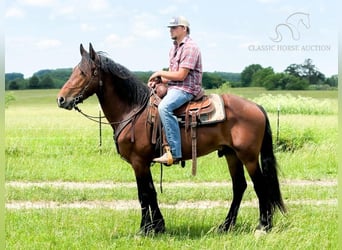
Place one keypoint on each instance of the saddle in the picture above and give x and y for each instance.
(202, 110)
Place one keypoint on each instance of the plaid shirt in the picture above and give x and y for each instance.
(187, 55)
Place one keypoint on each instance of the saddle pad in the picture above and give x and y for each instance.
(217, 115)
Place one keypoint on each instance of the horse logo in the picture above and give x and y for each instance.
(292, 23)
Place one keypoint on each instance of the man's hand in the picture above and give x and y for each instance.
(151, 84)
(154, 80)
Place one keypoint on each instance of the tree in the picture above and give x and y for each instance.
(332, 81)
(282, 81)
(211, 80)
(296, 83)
(228, 76)
(13, 76)
(13, 85)
(46, 82)
(33, 82)
(294, 70)
(247, 74)
(307, 70)
(259, 77)
(42, 72)
(311, 73)
(57, 76)
(274, 81)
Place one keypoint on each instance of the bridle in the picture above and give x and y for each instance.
(79, 99)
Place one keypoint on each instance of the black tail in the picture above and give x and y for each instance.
(269, 167)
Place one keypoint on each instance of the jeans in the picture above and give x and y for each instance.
(173, 100)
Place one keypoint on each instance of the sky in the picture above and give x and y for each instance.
(46, 34)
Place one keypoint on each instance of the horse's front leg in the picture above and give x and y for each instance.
(152, 220)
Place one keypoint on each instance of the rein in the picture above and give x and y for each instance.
(96, 118)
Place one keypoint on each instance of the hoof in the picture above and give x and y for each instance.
(258, 233)
(225, 227)
(221, 230)
(159, 227)
(152, 229)
(146, 230)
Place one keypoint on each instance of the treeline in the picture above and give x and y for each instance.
(295, 77)
(49, 79)
(43, 79)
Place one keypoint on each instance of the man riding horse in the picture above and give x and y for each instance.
(184, 80)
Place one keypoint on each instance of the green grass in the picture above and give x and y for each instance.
(305, 227)
(171, 195)
(45, 143)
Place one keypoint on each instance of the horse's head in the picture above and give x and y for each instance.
(84, 81)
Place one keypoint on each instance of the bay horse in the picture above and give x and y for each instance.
(243, 137)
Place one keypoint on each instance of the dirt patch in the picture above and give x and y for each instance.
(111, 185)
(134, 204)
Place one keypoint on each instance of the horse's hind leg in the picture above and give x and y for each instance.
(239, 187)
(260, 187)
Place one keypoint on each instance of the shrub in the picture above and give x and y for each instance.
(9, 97)
(292, 139)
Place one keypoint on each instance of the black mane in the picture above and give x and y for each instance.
(127, 85)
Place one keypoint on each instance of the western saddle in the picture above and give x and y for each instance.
(202, 110)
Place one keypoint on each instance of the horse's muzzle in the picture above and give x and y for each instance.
(69, 104)
(63, 103)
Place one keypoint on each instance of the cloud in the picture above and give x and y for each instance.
(16, 43)
(75, 10)
(66, 10)
(143, 26)
(212, 45)
(267, 1)
(87, 27)
(181, 2)
(14, 12)
(145, 31)
(119, 42)
(168, 10)
(48, 43)
(98, 5)
(38, 3)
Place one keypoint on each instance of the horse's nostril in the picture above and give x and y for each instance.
(60, 100)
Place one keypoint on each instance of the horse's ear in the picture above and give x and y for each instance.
(82, 50)
(92, 53)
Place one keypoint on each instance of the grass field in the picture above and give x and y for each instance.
(47, 147)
